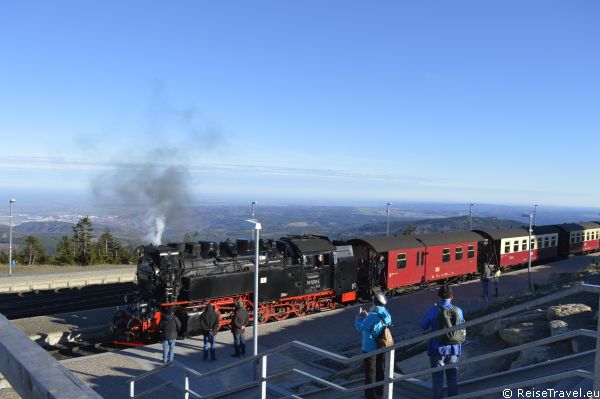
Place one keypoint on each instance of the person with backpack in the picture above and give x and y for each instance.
(169, 326)
(486, 275)
(209, 325)
(238, 327)
(444, 349)
(373, 326)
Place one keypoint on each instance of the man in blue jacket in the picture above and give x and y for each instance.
(439, 354)
(371, 325)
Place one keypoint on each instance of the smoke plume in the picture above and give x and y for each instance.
(159, 180)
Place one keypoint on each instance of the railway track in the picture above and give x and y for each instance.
(46, 302)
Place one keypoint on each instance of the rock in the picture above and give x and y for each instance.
(494, 326)
(532, 356)
(560, 311)
(558, 327)
(524, 332)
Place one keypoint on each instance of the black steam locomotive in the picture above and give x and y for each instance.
(297, 275)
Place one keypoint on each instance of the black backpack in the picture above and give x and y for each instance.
(449, 318)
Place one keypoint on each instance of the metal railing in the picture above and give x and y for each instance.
(390, 377)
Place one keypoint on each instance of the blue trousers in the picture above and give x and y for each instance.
(168, 350)
(485, 284)
(209, 339)
(239, 343)
(437, 378)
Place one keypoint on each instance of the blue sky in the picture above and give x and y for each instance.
(316, 101)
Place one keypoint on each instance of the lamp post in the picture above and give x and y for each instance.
(471, 217)
(534, 212)
(257, 228)
(387, 231)
(10, 202)
(253, 216)
(530, 216)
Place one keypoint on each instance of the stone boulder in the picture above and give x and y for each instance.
(558, 327)
(494, 326)
(522, 333)
(532, 356)
(560, 311)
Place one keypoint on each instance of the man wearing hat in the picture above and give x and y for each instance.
(440, 354)
(371, 325)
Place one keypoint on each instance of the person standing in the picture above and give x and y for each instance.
(486, 275)
(444, 350)
(238, 328)
(209, 325)
(371, 325)
(169, 326)
(496, 280)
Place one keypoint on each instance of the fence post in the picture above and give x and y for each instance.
(132, 389)
(388, 388)
(597, 358)
(186, 385)
(263, 377)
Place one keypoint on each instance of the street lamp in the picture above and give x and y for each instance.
(10, 202)
(534, 212)
(387, 232)
(253, 217)
(471, 217)
(530, 216)
(257, 228)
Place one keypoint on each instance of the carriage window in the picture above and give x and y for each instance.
(539, 242)
(533, 243)
(553, 241)
(446, 255)
(516, 246)
(546, 242)
(578, 239)
(572, 238)
(587, 236)
(471, 251)
(418, 258)
(459, 253)
(524, 245)
(507, 247)
(401, 261)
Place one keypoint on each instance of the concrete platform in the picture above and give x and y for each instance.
(107, 374)
(19, 282)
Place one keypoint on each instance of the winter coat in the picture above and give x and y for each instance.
(371, 326)
(169, 327)
(209, 321)
(429, 322)
(240, 319)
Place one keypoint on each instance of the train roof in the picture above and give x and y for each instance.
(449, 237)
(568, 227)
(384, 244)
(545, 229)
(498, 234)
(312, 244)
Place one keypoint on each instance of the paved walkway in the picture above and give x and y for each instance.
(334, 330)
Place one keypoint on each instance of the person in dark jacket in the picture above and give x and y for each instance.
(169, 326)
(238, 327)
(209, 325)
(371, 325)
(486, 275)
(442, 355)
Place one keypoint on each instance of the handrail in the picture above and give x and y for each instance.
(390, 376)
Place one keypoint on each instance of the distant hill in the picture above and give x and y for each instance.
(436, 225)
(34, 228)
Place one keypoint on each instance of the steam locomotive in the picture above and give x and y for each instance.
(307, 273)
